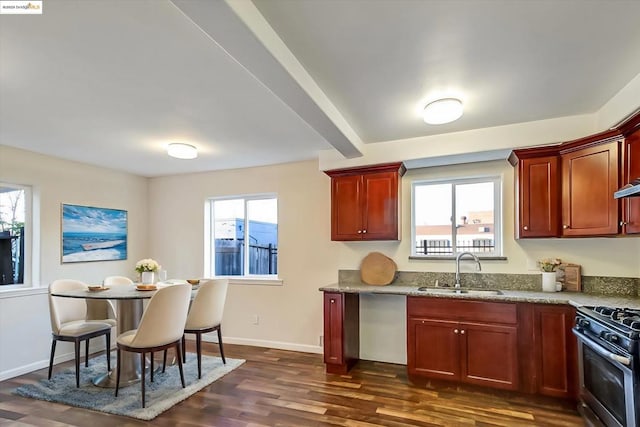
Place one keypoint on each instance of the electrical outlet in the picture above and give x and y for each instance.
(256, 319)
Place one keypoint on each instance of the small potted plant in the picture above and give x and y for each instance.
(548, 266)
(147, 268)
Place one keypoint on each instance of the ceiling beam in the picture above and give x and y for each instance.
(238, 28)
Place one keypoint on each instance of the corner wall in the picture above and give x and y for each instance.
(25, 330)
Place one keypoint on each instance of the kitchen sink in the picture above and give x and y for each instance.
(459, 291)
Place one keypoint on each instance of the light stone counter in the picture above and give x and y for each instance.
(572, 298)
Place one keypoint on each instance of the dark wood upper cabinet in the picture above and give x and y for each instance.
(589, 179)
(631, 170)
(538, 202)
(566, 190)
(365, 202)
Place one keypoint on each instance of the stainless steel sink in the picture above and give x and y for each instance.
(459, 291)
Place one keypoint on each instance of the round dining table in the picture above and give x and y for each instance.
(129, 301)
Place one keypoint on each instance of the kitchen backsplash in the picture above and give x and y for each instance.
(600, 285)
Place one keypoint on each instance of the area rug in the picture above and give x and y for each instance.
(165, 391)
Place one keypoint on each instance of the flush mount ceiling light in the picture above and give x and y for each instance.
(182, 151)
(442, 111)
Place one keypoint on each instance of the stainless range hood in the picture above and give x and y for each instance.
(630, 190)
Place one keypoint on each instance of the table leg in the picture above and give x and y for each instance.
(129, 315)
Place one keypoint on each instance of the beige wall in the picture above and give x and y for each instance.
(290, 315)
(25, 331)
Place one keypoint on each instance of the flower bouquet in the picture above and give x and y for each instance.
(549, 264)
(147, 264)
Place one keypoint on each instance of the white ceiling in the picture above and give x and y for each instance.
(112, 82)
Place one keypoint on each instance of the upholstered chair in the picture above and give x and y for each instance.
(104, 310)
(205, 316)
(69, 323)
(160, 328)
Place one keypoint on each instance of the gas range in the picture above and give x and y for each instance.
(609, 365)
(617, 327)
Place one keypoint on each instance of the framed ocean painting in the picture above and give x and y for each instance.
(93, 234)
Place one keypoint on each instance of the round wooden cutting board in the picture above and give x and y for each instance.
(377, 269)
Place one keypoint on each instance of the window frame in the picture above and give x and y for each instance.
(497, 180)
(31, 239)
(210, 238)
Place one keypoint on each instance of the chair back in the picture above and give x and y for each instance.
(164, 319)
(62, 309)
(117, 280)
(208, 305)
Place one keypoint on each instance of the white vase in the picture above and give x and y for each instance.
(147, 277)
(549, 281)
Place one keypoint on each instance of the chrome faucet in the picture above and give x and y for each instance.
(458, 258)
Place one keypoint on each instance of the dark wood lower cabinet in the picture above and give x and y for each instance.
(555, 350)
(479, 350)
(341, 331)
(524, 347)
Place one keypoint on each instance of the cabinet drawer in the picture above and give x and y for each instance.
(468, 310)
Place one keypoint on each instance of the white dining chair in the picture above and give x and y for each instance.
(205, 315)
(160, 328)
(69, 323)
(103, 310)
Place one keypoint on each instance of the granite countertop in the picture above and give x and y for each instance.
(573, 298)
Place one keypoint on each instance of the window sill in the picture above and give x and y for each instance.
(247, 280)
(21, 291)
(453, 258)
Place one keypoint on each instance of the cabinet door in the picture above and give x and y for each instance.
(589, 179)
(539, 195)
(489, 355)
(333, 328)
(631, 205)
(346, 209)
(555, 348)
(433, 348)
(380, 206)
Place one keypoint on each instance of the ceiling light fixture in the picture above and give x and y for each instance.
(442, 111)
(182, 151)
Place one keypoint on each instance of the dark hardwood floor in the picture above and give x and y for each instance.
(285, 388)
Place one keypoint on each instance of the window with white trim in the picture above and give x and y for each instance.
(243, 236)
(15, 232)
(457, 215)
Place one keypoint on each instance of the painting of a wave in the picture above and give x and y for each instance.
(93, 234)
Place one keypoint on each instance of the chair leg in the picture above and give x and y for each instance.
(118, 355)
(164, 360)
(53, 351)
(151, 375)
(220, 345)
(143, 363)
(199, 353)
(86, 353)
(184, 349)
(180, 364)
(108, 344)
(77, 354)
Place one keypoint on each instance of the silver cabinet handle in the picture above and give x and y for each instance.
(565, 226)
(455, 331)
(525, 227)
(623, 223)
(333, 301)
(364, 231)
(359, 231)
(462, 332)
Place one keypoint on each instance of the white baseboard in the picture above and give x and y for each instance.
(21, 370)
(262, 343)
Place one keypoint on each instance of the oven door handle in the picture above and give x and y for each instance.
(601, 351)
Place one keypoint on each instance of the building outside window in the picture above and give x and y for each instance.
(454, 216)
(244, 236)
(14, 204)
